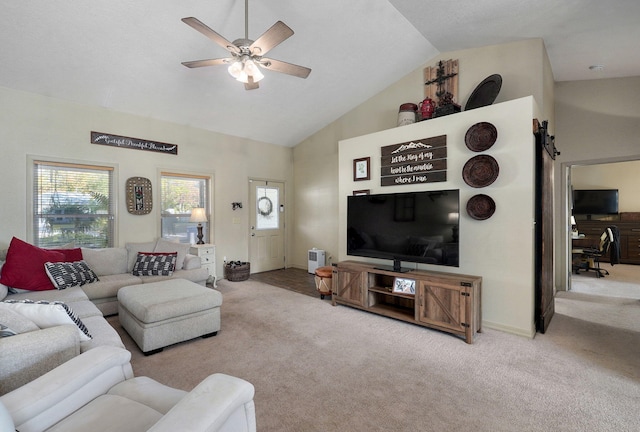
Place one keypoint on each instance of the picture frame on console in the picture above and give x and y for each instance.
(404, 286)
(362, 169)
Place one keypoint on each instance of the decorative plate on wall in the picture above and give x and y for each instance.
(481, 207)
(139, 197)
(480, 171)
(481, 136)
(485, 93)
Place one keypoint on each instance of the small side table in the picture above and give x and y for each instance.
(207, 254)
(323, 280)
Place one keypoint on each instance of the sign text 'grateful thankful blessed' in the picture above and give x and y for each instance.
(133, 143)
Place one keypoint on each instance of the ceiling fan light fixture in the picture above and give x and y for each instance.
(253, 70)
(236, 70)
(243, 68)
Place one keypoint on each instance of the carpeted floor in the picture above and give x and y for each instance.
(623, 280)
(316, 367)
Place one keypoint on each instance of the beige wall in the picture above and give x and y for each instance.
(598, 121)
(525, 71)
(501, 248)
(45, 127)
(624, 176)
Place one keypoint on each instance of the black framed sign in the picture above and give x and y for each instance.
(133, 143)
(413, 162)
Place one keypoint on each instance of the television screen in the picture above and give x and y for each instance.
(595, 201)
(413, 226)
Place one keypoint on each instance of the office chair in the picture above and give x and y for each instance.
(591, 256)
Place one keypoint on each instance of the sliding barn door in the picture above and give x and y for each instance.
(544, 274)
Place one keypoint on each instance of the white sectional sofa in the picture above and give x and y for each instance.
(96, 391)
(34, 351)
(76, 375)
(114, 265)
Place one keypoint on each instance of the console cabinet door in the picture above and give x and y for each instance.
(443, 305)
(348, 286)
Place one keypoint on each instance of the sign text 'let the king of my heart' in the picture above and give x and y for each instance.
(413, 162)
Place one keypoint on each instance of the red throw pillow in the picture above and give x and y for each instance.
(70, 255)
(24, 266)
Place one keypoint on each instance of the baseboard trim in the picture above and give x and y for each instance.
(530, 333)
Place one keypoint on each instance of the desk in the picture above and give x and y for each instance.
(629, 235)
(583, 242)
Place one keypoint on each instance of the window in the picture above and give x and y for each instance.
(180, 193)
(267, 206)
(72, 203)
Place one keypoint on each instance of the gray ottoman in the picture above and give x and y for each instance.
(159, 314)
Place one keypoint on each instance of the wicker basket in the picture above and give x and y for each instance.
(237, 273)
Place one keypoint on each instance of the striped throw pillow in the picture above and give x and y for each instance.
(155, 264)
(68, 274)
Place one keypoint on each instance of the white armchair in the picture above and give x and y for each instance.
(96, 391)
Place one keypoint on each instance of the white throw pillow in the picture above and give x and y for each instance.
(168, 246)
(133, 249)
(106, 261)
(15, 321)
(48, 314)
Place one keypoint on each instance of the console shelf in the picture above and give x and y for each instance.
(444, 301)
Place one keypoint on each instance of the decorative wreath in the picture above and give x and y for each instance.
(265, 206)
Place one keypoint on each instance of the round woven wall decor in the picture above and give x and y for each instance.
(481, 207)
(139, 197)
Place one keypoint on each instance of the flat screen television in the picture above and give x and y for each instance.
(420, 227)
(595, 201)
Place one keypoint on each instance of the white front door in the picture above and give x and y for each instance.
(266, 245)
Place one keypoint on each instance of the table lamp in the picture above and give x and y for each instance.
(198, 215)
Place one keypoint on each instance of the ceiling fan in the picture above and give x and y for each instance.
(246, 54)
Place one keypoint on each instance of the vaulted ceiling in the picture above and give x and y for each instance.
(126, 55)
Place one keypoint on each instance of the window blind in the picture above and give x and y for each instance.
(72, 204)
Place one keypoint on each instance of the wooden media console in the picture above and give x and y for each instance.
(445, 301)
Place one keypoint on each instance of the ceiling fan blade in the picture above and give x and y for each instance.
(201, 63)
(276, 34)
(214, 36)
(284, 67)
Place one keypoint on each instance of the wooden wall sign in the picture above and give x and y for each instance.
(413, 162)
(441, 79)
(133, 143)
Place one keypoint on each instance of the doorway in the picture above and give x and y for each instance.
(266, 225)
(603, 174)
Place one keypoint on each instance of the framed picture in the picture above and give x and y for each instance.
(404, 286)
(361, 192)
(361, 169)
